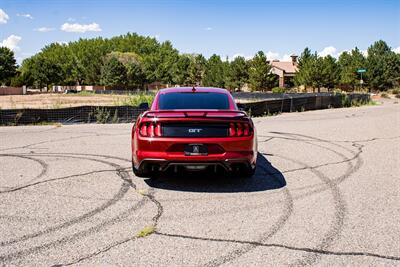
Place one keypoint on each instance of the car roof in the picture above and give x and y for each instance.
(190, 89)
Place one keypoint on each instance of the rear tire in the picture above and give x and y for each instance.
(248, 172)
(139, 173)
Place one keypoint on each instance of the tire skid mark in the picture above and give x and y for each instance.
(42, 163)
(14, 189)
(147, 197)
(61, 154)
(46, 142)
(338, 220)
(339, 203)
(123, 175)
(340, 211)
(288, 210)
(118, 196)
(73, 237)
(324, 140)
(274, 245)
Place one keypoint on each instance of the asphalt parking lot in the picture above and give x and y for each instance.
(326, 193)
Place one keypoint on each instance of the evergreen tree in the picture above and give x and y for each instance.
(196, 70)
(330, 72)
(303, 65)
(238, 73)
(260, 77)
(348, 64)
(383, 66)
(214, 72)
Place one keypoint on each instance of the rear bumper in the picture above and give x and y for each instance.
(162, 153)
(161, 165)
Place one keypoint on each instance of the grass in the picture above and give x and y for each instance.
(385, 95)
(84, 93)
(134, 100)
(146, 231)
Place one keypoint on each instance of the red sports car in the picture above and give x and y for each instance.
(193, 129)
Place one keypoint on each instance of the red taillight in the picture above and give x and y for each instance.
(157, 130)
(246, 130)
(150, 129)
(239, 129)
(232, 129)
(143, 129)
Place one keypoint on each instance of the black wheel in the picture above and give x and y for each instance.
(139, 173)
(247, 172)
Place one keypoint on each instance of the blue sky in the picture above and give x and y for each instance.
(227, 28)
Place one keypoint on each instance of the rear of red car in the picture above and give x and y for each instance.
(193, 129)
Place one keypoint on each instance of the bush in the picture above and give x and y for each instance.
(102, 115)
(385, 95)
(278, 90)
(135, 100)
(396, 91)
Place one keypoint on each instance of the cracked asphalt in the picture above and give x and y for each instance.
(326, 193)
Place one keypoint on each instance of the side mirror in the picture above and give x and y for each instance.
(144, 105)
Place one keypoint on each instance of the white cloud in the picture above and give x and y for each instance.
(286, 57)
(70, 19)
(76, 27)
(329, 50)
(28, 16)
(396, 50)
(11, 42)
(364, 52)
(239, 55)
(44, 29)
(3, 17)
(272, 55)
(208, 29)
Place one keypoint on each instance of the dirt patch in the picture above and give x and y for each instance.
(58, 100)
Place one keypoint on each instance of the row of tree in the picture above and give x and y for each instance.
(134, 61)
(381, 65)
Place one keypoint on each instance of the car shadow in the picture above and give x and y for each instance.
(266, 177)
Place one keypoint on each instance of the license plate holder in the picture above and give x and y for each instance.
(196, 150)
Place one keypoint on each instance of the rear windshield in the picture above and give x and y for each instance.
(193, 101)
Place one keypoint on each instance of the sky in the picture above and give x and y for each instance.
(226, 28)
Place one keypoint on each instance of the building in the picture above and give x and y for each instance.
(285, 70)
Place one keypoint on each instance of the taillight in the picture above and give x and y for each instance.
(240, 129)
(150, 129)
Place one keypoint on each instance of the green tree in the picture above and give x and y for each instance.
(260, 77)
(8, 65)
(383, 66)
(238, 73)
(214, 72)
(113, 73)
(330, 72)
(348, 64)
(304, 64)
(135, 75)
(43, 72)
(196, 70)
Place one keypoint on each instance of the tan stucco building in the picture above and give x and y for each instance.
(285, 70)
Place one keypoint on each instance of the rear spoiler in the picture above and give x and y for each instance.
(195, 113)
